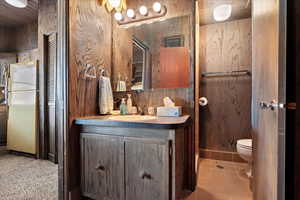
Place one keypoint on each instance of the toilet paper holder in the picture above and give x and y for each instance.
(203, 101)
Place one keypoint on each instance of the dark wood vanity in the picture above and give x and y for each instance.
(134, 159)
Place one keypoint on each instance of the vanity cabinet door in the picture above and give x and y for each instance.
(146, 169)
(102, 167)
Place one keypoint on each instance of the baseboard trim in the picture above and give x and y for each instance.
(220, 155)
(18, 153)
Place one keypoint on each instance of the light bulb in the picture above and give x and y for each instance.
(143, 10)
(130, 13)
(157, 7)
(222, 12)
(115, 3)
(17, 3)
(118, 16)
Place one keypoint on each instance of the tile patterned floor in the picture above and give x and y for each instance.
(217, 183)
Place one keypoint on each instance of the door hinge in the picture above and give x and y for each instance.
(291, 106)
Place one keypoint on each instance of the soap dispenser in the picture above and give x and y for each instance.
(123, 107)
(129, 104)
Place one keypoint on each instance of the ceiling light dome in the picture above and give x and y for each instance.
(17, 3)
(222, 12)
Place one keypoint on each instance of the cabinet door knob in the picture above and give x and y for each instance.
(100, 168)
(146, 176)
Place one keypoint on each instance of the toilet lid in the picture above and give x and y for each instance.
(247, 143)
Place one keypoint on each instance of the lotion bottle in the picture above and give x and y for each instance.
(123, 107)
(129, 104)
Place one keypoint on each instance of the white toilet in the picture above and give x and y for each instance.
(244, 149)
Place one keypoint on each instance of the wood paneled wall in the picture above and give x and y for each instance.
(90, 44)
(7, 40)
(26, 42)
(227, 118)
(29, 55)
(26, 37)
(21, 40)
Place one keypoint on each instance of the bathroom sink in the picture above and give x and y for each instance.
(132, 118)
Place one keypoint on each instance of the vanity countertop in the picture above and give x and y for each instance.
(154, 122)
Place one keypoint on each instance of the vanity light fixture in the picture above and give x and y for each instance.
(157, 7)
(140, 15)
(17, 3)
(118, 16)
(130, 13)
(222, 12)
(117, 5)
(143, 10)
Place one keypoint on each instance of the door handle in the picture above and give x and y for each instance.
(263, 105)
(272, 105)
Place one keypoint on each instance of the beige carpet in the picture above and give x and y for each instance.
(23, 178)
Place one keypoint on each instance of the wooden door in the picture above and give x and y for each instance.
(102, 167)
(51, 96)
(268, 85)
(146, 169)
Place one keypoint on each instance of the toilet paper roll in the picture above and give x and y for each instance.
(203, 101)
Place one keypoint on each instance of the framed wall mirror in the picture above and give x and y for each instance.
(152, 55)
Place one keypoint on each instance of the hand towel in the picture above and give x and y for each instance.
(106, 102)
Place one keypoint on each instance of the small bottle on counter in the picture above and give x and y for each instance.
(123, 107)
(129, 104)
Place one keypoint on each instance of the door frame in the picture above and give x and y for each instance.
(62, 97)
(282, 53)
(43, 124)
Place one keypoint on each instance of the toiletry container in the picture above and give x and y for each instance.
(123, 107)
(129, 104)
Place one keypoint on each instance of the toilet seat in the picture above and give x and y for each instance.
(246, 144)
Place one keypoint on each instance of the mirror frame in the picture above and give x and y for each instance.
(146, 63)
